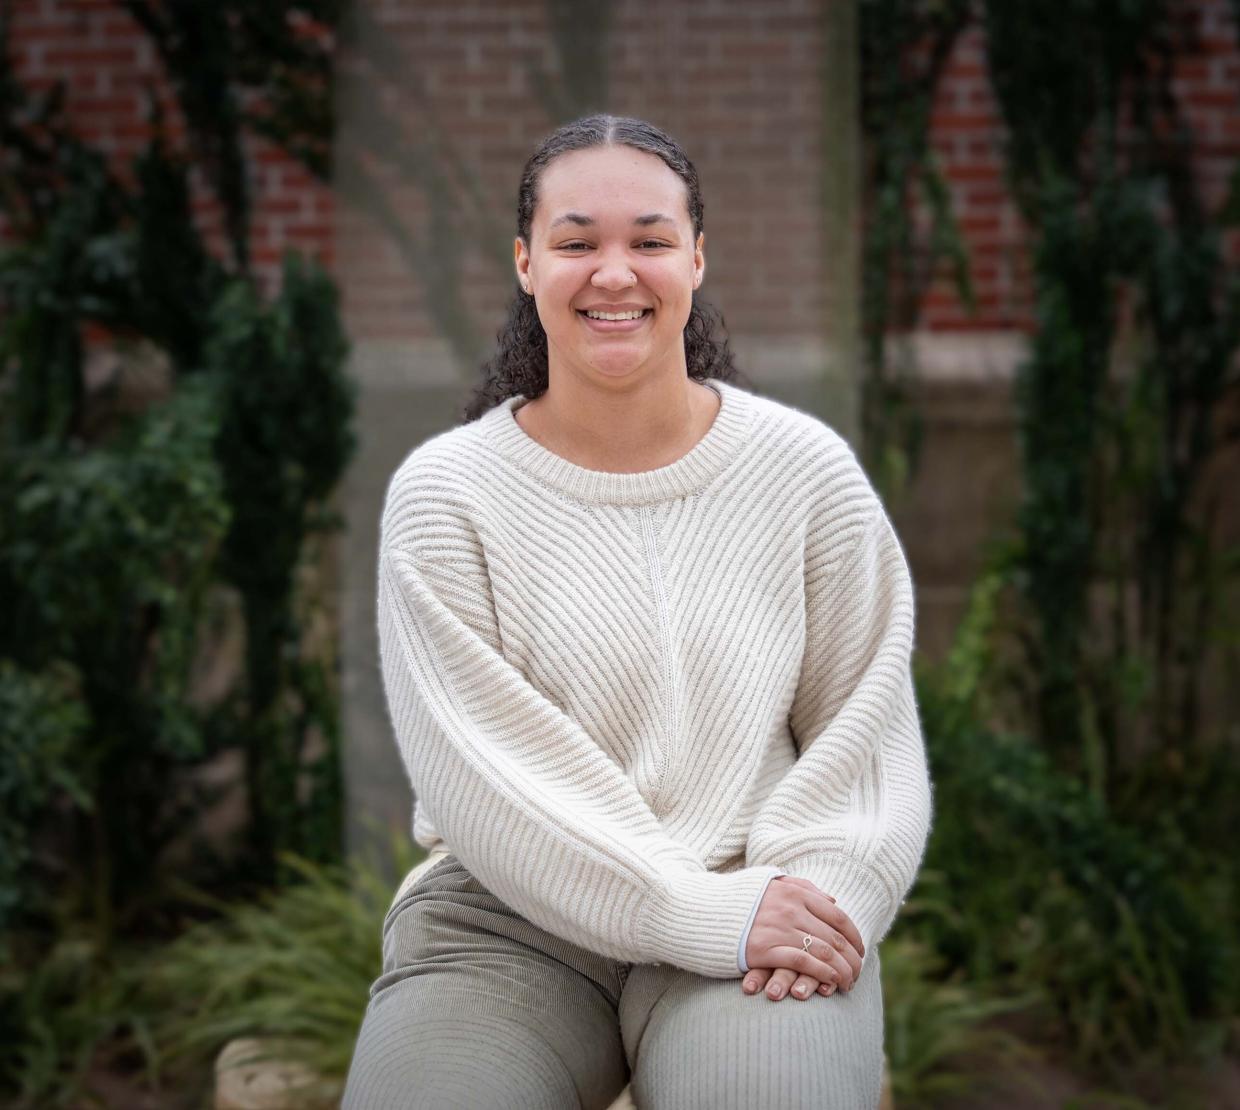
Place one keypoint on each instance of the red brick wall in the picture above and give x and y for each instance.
(108, 65)
(736, 83)
(967, 137)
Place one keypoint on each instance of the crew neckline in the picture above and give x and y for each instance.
(692, 471)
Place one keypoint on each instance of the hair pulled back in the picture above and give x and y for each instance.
(519, 365)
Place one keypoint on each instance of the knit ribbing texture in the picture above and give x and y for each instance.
(626, 701)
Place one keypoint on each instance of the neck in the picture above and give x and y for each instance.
(624, 429)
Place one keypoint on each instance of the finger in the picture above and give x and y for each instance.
(755, 980)
(844, 951)
(825, 910)
(826, 989)
(853, 958)
(806, 883)
(824, 949)
(847, 973)
(781, 979)
(833, 947)
(804, 987)
(841, 968)
(816, 963)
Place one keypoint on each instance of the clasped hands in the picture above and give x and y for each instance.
(776, 953)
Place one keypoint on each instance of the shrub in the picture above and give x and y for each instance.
(293, 969)
(1029, 881)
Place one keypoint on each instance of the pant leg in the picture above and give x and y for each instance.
(476, 1007)
(697, 1042)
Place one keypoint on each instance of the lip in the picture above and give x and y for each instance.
(610, 327)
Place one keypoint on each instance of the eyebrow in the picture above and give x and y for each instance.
(585, 221)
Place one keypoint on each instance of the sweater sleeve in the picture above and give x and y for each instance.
(852, 815)
(527, 801)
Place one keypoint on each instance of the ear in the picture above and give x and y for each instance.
(699, 260)
(521, 259)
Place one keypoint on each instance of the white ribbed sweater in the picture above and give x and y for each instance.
(626, 701)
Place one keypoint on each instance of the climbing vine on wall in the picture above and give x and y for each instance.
(1129, 369)
(123, 512)
(904, 48)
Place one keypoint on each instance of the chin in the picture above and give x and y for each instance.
(616, 371)
(617, 368)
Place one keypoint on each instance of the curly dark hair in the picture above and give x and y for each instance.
(520, 363)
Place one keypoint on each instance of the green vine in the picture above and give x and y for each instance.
(125, 517)
(905, 45)
(1138, 324)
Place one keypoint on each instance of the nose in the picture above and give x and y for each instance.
(613, 273)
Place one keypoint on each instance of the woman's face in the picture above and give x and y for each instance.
(611, 232)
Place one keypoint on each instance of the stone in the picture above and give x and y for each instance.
(244, 1083)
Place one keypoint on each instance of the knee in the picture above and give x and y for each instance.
(421, 1065)
(791, 1075)
(719, 1052)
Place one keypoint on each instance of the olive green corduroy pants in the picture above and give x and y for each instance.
(478, 1008)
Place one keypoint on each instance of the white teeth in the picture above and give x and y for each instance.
(616, 315)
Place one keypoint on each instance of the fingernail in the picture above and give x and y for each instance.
(751, 985)
(802, 989)
(775, 991)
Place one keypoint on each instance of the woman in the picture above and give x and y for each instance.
(646, 640)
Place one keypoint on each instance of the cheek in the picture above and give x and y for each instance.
(673, 283)
(676, 285)
(556, 292)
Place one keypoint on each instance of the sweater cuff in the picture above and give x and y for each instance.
(695, 919)
(856, 888)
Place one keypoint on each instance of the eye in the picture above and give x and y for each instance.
(657, 243)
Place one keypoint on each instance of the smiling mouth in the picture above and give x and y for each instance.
(585, 313)
(627, 320)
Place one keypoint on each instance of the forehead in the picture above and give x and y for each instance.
(610, 183)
